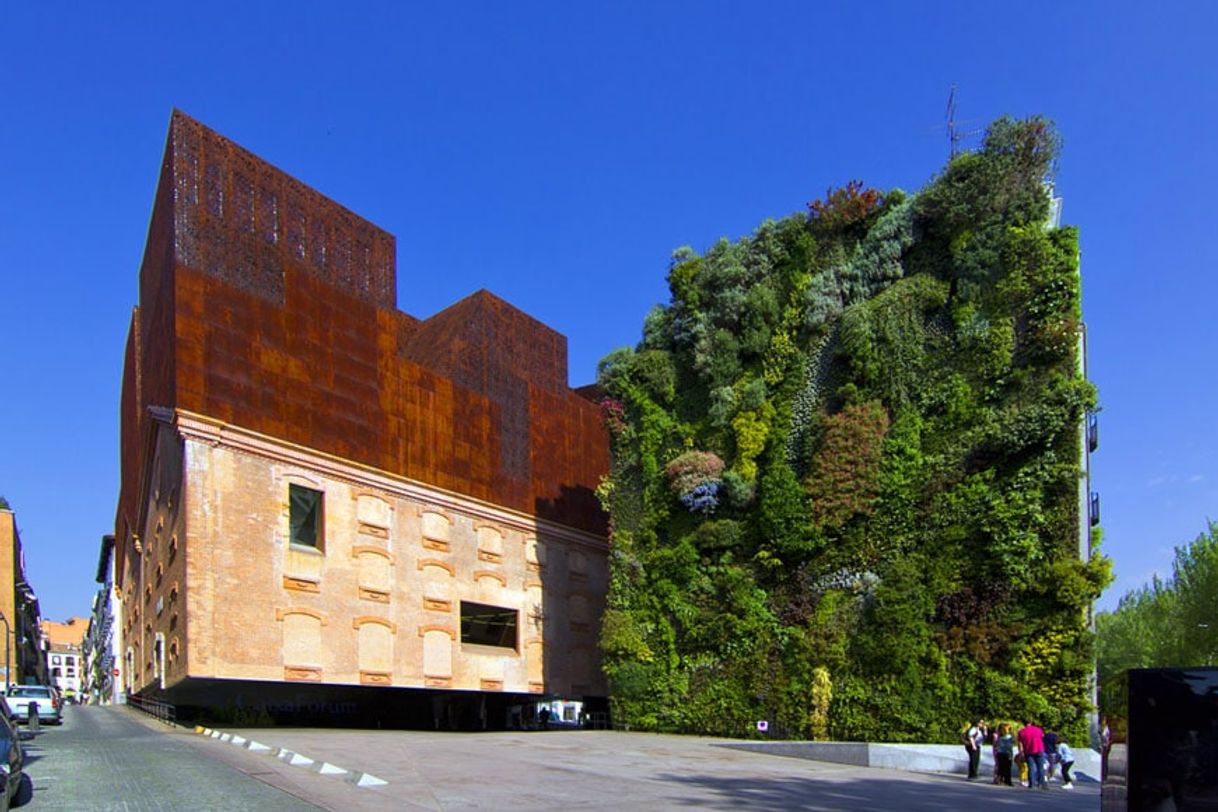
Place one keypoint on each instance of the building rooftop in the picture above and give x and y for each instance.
(68, 635)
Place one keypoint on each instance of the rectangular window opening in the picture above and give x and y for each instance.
(484, 625)
(305, 513)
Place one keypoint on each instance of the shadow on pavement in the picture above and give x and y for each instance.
(886, 794)
(32, 750)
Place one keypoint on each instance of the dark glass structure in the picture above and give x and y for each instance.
(1169, 759)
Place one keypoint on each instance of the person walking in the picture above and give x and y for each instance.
(1032, 745)
(974, 737)
(1065, 757)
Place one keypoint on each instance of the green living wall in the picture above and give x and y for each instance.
(845, 472)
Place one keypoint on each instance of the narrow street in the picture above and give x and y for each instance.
(105, 758)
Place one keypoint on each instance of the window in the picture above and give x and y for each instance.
(305, 515)
(488, 625)
(158, 660)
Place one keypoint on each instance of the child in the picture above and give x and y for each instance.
(1066, 758)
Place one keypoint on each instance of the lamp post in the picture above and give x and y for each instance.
(7, 658)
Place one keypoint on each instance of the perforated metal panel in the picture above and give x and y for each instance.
(266, 305)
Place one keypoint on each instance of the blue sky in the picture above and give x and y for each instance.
(556, 154)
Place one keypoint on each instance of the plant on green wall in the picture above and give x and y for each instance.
(845, 467)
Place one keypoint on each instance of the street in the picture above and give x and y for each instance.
(107, 758)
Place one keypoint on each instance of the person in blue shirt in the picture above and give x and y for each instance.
(1065, 757)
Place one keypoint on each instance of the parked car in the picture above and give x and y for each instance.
(50, 707)
(16, 788)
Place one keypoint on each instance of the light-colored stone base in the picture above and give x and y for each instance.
(919, 758)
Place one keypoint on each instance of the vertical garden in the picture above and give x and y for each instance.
(845, 471)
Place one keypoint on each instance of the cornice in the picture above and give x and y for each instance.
(192, 426)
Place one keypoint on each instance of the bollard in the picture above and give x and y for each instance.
(32, 720)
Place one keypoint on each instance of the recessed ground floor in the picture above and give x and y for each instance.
(248, 702)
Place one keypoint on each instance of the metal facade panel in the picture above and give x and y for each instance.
(265, 305)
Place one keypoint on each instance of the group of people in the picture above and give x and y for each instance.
(1031, 749)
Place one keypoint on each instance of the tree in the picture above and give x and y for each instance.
(1163, 624)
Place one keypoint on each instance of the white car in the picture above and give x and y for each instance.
(49, 710)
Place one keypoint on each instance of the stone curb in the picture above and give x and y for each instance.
(295, 759)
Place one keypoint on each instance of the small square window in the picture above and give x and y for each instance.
(488, 625)
(305, 516)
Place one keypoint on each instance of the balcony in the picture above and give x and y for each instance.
(1094, 512)
(1093, 432)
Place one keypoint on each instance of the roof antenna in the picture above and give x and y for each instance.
(954, 136)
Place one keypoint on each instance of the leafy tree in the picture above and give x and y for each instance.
(1172, 623)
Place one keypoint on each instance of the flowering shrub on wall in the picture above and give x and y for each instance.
(695, 477)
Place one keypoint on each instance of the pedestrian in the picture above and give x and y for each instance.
(1066, 757)
(1004, 751)
(973, 738)
(1105, 746)
(1050, 755)
(991, 740)
(544, 716)
(1032, 745)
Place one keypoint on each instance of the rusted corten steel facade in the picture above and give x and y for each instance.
(264, 305)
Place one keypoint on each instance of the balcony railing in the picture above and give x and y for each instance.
(1093, 432)
(1095, 509)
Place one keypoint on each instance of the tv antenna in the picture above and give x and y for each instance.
(954, 136)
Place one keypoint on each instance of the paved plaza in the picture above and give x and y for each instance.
(608, 770)
(115, 758)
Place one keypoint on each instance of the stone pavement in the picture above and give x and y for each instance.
(104, 759)
(607, 770)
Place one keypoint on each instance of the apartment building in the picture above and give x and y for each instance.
(24, 659)
(104, 637)
(65, 655)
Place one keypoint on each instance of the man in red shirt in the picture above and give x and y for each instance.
(1032, 745)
